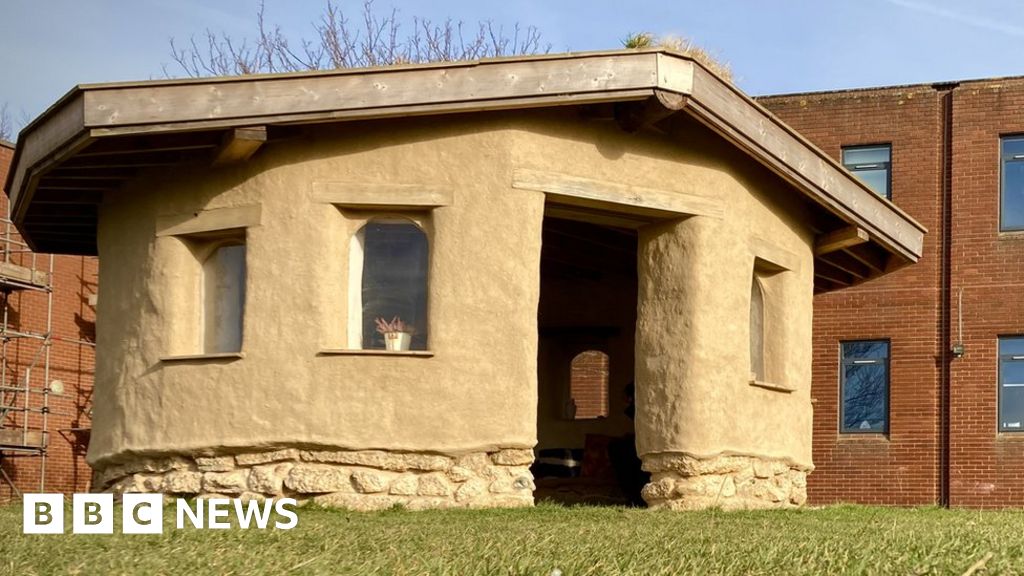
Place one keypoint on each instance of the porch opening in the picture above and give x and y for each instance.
(587, 321)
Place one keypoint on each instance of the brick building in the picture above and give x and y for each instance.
(45, 456)
(945, 423)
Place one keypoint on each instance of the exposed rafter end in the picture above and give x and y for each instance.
(633, 117)
(840, 240)
(240, 144)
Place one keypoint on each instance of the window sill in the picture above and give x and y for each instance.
(357, 352)
(867, 437)
(773, 387)
(1011, 235)
(201, 357)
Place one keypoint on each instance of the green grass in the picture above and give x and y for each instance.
(838, 540)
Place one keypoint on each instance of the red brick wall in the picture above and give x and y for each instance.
(588, 384)
(986, 467)
(903, 466)
(71, 361)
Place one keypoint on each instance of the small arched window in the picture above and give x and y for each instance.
(388, 303)
(588, 385)
(224, 299)
(756, 331)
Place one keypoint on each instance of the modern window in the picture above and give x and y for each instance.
(224, 298)
(1011, 384)
(588, 385)
(756, 331)
(872, 165)
(389, 262)
(864, 386)
(1011, 196)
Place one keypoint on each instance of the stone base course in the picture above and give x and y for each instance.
(684, 482)
(358, 480)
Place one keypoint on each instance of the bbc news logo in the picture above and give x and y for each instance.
(144, 513)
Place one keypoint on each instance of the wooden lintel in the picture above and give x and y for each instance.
(840, 239)
(383, 196)
(211, 220)
(615, 197)
(240, 144)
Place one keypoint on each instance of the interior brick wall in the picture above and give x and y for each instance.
(588, 384)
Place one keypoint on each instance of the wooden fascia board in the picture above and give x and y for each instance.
(111, 107)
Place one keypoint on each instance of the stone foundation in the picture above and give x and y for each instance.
(358, 480)
(683, 482)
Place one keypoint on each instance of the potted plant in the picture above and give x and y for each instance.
(397, 334)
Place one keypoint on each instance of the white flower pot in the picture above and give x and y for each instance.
(397, 341)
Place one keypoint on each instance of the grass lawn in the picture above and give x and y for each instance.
(838, 540)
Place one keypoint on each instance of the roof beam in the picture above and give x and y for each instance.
(240, 144)
(840, 239)
(636, 116)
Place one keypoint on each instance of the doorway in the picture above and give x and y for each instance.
(587, 325)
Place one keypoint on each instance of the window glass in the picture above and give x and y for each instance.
(756, 331)
(865, 386)
(394, 282)
(872, 165)
(1012, 193)
(588, 385)
(1011, 384)
(224, 299)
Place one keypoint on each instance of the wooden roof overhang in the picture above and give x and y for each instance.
(99, 135)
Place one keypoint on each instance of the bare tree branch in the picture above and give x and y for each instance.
(337, 43)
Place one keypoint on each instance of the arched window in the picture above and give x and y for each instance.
(389, 286)
(588, 385)
(756, 331)
(224, 299)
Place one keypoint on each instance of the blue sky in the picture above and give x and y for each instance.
(773, 46)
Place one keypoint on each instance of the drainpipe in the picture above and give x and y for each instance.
(945, 285)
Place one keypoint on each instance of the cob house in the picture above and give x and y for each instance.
(421, 284)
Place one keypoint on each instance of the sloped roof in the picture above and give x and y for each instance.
(93, 138)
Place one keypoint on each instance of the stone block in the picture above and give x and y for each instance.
(182, 482)
(269, 478)
(314, 479)
(512, 457)
(370, 481)
(234, 482)
(459, 474)
(470, 490)
(433, 485)
(405, 485)
(215, 463)
(256, 458)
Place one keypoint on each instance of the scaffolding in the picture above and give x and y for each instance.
(24, 402)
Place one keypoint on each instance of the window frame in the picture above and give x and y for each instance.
(356, 263)
(209, 252)
(1000, 359)
(1003, 160)
(854, 168)
(843, 430)
(758, 372)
